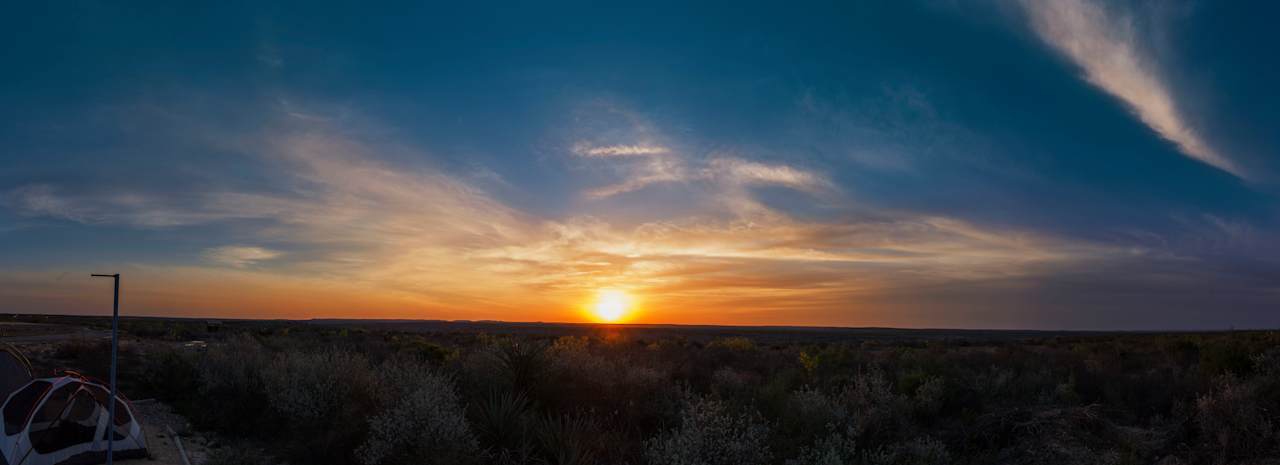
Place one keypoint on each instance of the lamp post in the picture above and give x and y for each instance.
(115, 342)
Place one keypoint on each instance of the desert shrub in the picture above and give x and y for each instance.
(169, 374)
(1066, 392)
(919, 451)
(929, 397)
(181, 332)
(1267, 363)
(80, 348)
(570, 344)
(625, 385)
(866, 410)
(836, 448)
(995, 384)
(728, 382)
(230, 387)
(877, 414)
(775, 388)
(145, 329)
(509, 363)
(310, 387)
(576, 439)
(88, 356)
(434, 354)
(1233, 420)
(1225, 355)
(322, 400)
(833, 364)
(577, 370)
(1129, 375)
(735, 344)
(810, 413)
(423, 421)
(711, 433)
(1072, 435)
(669, 349)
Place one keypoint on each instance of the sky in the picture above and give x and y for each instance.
(1066, 164)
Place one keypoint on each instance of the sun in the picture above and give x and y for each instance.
(611, 305)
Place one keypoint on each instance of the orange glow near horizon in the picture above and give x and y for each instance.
(612, 306)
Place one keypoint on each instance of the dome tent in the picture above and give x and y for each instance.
(15, 370)
(64, 420)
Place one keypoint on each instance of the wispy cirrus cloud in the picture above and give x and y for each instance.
(640, 164)
(725, 171)
(586, 150)
(114, 207)
(1105, 45)
(653, 172)
(240, 256)
(737, 171)
(44, 200)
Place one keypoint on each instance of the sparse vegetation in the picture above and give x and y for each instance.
(298, 393)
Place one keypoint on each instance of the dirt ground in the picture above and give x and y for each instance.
(156, 420)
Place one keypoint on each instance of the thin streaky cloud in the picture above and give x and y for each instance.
(653, 171)
(44, 200)
(620, 150)
(139, 209)
(1103, 44)
(745, 172)
(240, 256)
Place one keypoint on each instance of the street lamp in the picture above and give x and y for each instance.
(115, 342)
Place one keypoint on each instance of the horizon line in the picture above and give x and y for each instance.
(639, 325)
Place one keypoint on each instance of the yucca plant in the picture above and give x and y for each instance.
(524, 363)
(502, 420)
(568, 439)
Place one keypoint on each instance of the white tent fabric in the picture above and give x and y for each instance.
(15, 371)
(65, 421)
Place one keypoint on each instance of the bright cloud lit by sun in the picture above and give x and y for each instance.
(611, 305)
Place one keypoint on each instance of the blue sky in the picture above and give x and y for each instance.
(1067, 164)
